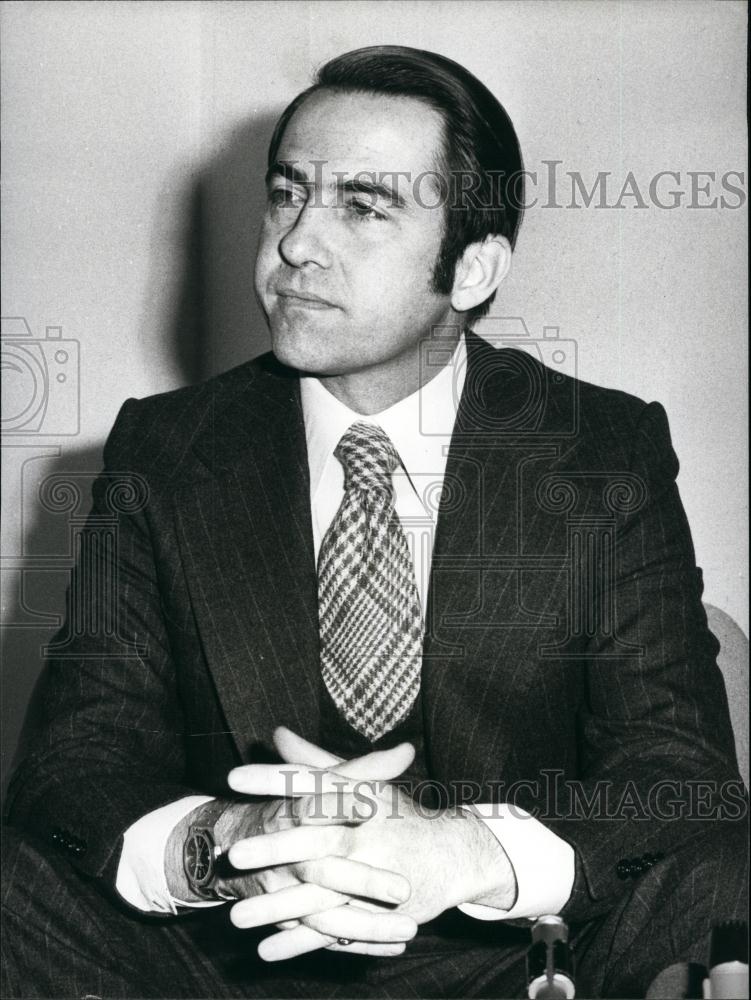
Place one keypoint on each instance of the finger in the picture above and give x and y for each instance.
(381, 765)
(286, 780)
(290, 944)
(369, 948)
(333, 808)
(296, 750)
(286, 904)
(287, 925)
(302, 940)
(355, 878)
(300, 843)
(363, 925)
(282, 780)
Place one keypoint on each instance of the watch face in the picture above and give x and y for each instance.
(198, 857)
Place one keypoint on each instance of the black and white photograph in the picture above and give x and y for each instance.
(374, 499)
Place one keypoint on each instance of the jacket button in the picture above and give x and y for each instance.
(633, 868)
(652, 859)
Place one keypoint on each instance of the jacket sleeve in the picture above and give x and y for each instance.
(104, 737)
(658, 760)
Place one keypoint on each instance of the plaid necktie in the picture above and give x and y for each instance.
(369, 607)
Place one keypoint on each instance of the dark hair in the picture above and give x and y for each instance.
(479, 142)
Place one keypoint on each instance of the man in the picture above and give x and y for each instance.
(379, 729)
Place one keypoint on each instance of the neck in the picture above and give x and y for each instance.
(376, 389)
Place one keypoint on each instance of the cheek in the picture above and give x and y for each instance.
(384, 278)
(260, 272)
(267, 255)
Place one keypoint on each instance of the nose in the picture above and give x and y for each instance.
(307, 240)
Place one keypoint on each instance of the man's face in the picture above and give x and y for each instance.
(344, 268)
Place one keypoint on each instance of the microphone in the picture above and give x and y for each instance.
(728, 962)
(549, 962)
(728, 970)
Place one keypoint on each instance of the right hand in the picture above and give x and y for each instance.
(314, 887)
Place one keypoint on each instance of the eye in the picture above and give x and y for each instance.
(363, 211)
(280, 197)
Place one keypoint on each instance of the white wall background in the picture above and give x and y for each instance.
(133, 141)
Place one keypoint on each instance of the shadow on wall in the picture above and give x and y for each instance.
(213, 324)
(217, 322)
(51, 484)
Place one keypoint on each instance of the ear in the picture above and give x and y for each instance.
(479, 271)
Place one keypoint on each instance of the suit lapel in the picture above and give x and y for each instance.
(247, 547)
(477, 627)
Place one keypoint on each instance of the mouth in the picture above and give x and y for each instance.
(305, 300)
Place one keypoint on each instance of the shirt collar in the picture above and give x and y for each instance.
(420, 425)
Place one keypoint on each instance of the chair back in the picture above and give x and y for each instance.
(733, 662)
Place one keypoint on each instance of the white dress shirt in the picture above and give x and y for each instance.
(420, 428)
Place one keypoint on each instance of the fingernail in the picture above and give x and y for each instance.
(268, 954)
(400, 894)
(238, 857)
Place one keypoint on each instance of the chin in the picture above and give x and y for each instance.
(295, 352)
(306, 347)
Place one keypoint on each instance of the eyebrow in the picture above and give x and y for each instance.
(359, 185)
(377, 188)
(289, 172)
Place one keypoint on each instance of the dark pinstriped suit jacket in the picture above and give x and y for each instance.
(528, 682)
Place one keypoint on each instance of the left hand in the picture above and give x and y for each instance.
(448, 856)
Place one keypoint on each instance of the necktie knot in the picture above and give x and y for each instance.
(368, 457)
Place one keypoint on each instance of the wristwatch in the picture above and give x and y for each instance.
(202, 855)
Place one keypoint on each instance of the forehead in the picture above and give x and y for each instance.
(356, 131)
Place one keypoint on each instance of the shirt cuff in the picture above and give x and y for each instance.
(141, 879)
(543, 863)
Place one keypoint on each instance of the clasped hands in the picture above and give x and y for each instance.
(341, 853)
